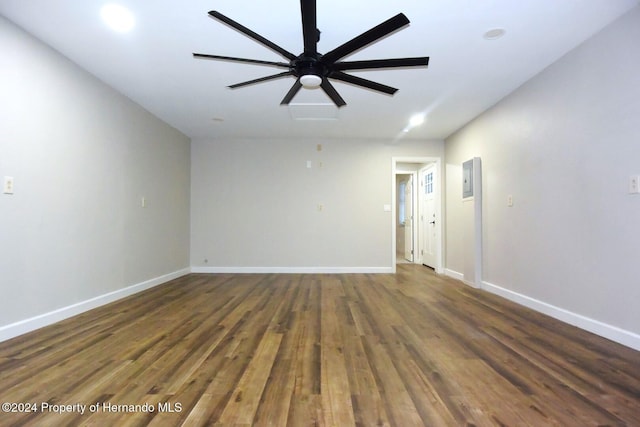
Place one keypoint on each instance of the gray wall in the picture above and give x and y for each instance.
(82, 156)
(255, 203)
(564, 145)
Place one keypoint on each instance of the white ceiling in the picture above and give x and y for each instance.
(153, 64)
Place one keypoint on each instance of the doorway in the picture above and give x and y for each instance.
(406, 233)
(416, 217)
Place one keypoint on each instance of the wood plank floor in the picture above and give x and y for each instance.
(409, 349)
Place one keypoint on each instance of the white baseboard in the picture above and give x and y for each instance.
(459, 276)
(613, 333)
(293, 270)
(454, 274)
(27, 325)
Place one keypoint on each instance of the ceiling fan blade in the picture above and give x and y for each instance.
(381, 63)
(309, 26)
(260, 80)
(368, 37)
(231, 58)
(257, 37)
(359, 81)
(332, 93)
(292, 92)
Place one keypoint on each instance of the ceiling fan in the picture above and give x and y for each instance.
(312, 69)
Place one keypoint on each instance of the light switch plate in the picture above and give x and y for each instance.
(8, 185)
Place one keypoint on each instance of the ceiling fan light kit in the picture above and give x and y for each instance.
(310, 81)
(312, 69)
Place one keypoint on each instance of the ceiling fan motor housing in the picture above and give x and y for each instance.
(311, 71)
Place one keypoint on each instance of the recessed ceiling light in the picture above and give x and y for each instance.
(117, 17)
(416, 120)
(494, 34)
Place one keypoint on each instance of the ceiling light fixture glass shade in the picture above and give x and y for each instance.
(310, 81)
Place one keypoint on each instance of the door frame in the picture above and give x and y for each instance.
(439, 267)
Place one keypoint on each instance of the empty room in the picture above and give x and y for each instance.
(320, 213)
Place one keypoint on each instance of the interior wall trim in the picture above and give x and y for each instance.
(458, 276)
(614, 333)
(453, 274)
(293, 270)
(27, 325)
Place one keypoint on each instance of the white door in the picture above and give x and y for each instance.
(428, 238)
(408, 219)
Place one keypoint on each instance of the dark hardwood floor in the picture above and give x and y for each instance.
(409, 349)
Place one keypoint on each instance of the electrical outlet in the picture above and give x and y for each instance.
(510, 200)
(634, 184)
(8, 185)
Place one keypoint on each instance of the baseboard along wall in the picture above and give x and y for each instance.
(619, 335)
(613, 333)
(27, 325)
(293, 270)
